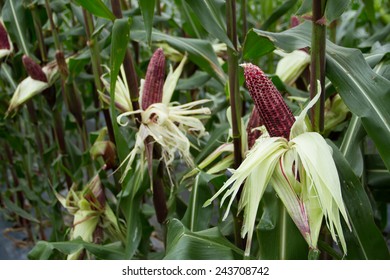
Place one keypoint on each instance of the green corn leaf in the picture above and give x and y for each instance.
(14, 17)
(209, 244)
(120, 39)
(130, 203)
(191, 23)
(96, 7)
(147, 10)
(378, 179)
(197, 80)
(196, 217)
(365, 241)
(43, 249)
(277, 228)
(350, 147)
(370, 9)
(333, 10)
(18, 210)
(380, 35)
(199, 51)
(210, 15)
(213, 142)
(278, 13)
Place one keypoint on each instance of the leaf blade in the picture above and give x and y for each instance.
(211, 19)
(183, 244)
(147, 10)
(199, 51)
(364, 230)
(96, 7)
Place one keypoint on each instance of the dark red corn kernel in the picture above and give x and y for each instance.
(294, 21)
(154, 80)
(254, 121)
(272, 109)
(33, 69)
(4, 42)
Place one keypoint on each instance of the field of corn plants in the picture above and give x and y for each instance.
(195, 129)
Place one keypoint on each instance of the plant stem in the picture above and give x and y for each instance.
(19, 194)
(50, 98)
(234, 92)
(71, 98)
(159, 200)
(60, 136)
(38, 214)
(69, 93)
(158, 7)
(38, 139)
(38, 32)
(235, 104)
(333, 30)
(97, 70)
(317, 66)
(53, 27)
(157, 175)
(97, 73)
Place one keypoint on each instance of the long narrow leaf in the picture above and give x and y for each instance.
(43, 250)
(119, 38)
(277, 228)
(199, 52)
(204, 245)
(350, 147)
(365, 241)
(147, 9)
(211, 19)
(197, 217)
(97, 7)
(14, 16)
(19, 211)
(333, 9)
(278, 13)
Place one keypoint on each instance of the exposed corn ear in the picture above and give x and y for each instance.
(6, 46)
(254, 122)
(4, 42)
(272, 109)
(30, 87)
(154, 80)
(33, 69)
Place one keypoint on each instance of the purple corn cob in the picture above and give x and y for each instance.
(254, 121)
(154, 80)
(4, 42)
(269, 103)
(33, 69)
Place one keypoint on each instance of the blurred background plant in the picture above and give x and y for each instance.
(61, 146)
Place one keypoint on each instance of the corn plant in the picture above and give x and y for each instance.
(179, 129)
